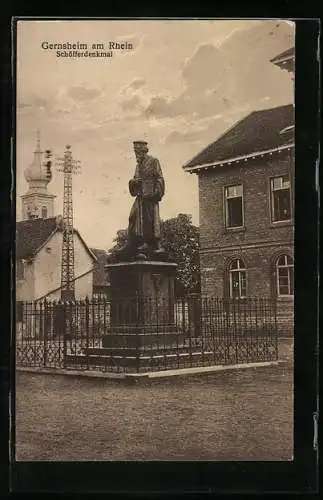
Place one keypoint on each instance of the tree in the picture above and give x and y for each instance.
(119, 240)
(180, 238)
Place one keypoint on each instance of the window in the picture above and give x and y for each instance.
(234, 206)
(238, 279)
(20, 270)
(285, 276)
(280, 198)
(44, 212)
(32, 212)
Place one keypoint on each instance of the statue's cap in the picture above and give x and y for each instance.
(140, 143)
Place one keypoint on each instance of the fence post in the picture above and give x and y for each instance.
(45, 332)
(62, 305)
(256, 307)
(41, 320)
(238, 327)
(87, 328)
(183, 315)
(276, 329)
(187, 327)
(34, 328)
(202, 338)
(198, 317)
(140, 322)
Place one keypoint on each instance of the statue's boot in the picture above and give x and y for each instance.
(159, 249)
(142, 252)
(126, 247)
(143, 248)
(149, 250)
(160, 253)
(122, 253)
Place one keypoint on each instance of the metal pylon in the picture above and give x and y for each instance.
(69, 167)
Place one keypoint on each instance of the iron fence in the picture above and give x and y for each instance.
(143, 334)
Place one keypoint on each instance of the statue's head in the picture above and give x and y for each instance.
(140, 149)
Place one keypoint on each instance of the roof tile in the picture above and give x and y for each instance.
(31, 234)
(289, 53)
(259, 131)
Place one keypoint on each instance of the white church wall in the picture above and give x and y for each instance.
(83, 262)
(54, 296)
(84, 286)
(48, 269)
(25, 287)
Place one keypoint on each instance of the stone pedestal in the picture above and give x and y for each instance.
(142, 332)
(142, 307)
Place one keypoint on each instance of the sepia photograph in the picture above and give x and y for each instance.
(155, 180)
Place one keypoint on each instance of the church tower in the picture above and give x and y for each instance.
(38, 202)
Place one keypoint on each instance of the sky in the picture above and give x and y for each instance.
(180, 87)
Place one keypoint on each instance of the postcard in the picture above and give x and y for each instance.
(155, 189)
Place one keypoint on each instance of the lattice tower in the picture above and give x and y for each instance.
(68, 166)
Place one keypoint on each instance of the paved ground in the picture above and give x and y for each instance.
(241, 415)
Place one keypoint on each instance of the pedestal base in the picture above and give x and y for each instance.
(142, 311)
(142, 341)
(142, 296)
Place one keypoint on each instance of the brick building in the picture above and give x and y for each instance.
(246, 181)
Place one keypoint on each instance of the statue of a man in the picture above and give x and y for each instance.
(148, 188)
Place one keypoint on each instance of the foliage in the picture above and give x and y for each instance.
(119, 240)
(180, 238)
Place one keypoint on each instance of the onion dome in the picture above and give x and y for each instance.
(36, 174)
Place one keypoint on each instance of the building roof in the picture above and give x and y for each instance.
(32, 234)
(283, 56)
(285, 60)
(99, 272)
(260, 131)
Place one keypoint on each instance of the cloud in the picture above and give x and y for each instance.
(33, 103)
(131, 104)
(78, 107)
(81, 93)
(204, 68)
(202, 95)
(105, 200)
(220, 77)
(132, 99)
(137, 83)
(63, 111)
(160, 107)
(176, 137)
(195, 132)
(39, 102)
